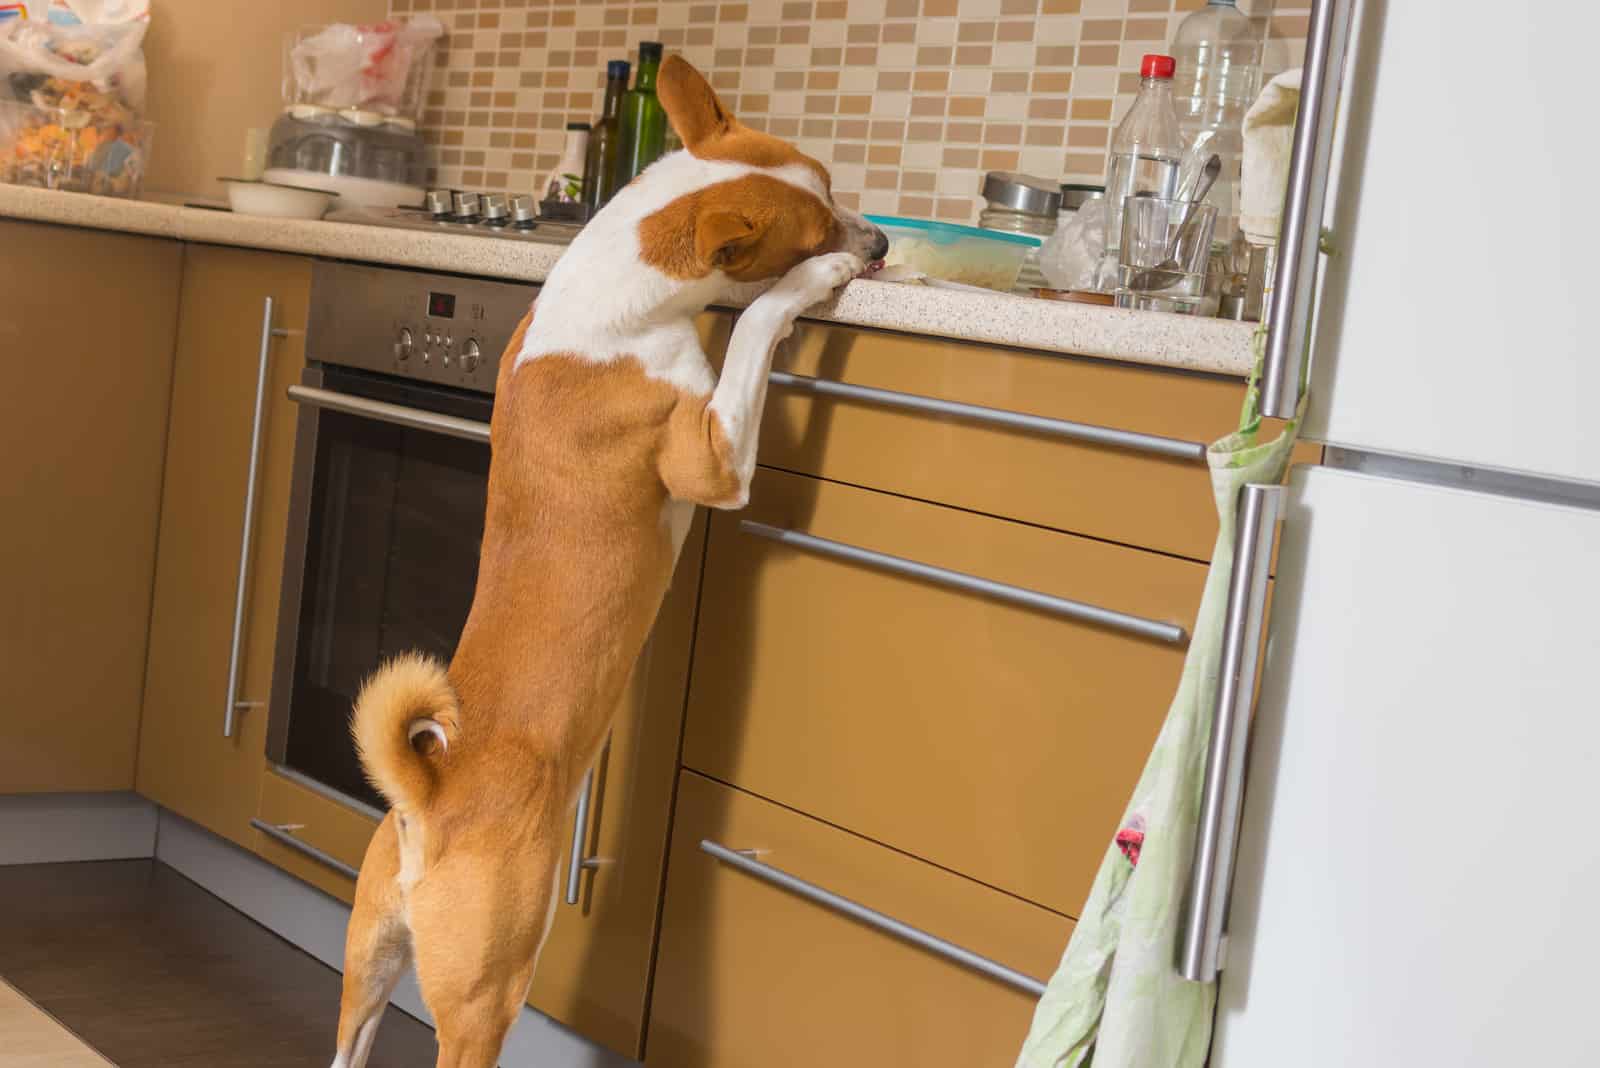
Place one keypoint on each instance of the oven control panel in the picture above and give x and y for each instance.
(436, 328)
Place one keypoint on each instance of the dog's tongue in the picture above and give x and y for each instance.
(871, 269)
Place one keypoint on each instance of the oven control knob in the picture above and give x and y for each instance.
(469, 355)
(403, 345)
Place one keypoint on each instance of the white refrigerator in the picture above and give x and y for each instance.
(1416, 872)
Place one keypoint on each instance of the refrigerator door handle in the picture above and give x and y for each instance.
(1289, 308)
(1200, 947)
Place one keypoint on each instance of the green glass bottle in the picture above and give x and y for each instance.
(600, 166)
(644, 123)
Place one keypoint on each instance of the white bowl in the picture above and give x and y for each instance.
(248, 197)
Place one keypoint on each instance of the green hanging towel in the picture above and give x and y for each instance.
(1117, 997)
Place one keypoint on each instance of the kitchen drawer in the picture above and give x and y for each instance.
(1120, 494)
(315, 834)
(996, 740)
(752, 974)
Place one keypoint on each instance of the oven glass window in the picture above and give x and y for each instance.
(392, 546)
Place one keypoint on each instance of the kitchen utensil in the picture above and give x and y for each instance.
(1166, 245)
(250, 197)
(1165, 273)
(964, 254)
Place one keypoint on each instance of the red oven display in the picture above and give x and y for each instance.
(442, 305)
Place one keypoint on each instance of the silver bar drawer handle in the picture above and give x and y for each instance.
(1289, 310)
(280, 834)
(975, 413)
(960, 580)
(398, 414)
(578, 863)
(1200, 939)
(235, 657)
(873, 918)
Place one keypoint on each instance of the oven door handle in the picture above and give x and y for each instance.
(398, 414)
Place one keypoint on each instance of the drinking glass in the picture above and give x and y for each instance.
(1161, 266)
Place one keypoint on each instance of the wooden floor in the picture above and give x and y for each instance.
(154, 972)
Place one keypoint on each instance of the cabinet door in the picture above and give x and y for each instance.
(86, 330)
(185, 762)
(1417, 867)
(753, 974)
(986, 736)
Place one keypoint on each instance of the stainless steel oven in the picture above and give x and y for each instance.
(386, 515)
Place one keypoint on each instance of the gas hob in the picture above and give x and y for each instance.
(493, 215)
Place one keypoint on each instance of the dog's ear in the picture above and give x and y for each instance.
(690, 102)
(727, 240)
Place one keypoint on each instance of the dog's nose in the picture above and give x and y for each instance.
(880, 245)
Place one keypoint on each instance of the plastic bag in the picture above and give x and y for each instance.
(1070, 257)
(367, 67)
(76, 47)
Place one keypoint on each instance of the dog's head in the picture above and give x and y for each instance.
(743, 203)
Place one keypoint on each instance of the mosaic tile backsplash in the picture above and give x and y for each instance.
(908, 102)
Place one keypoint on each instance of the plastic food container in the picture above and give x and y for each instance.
(962, 254)
(79, 151)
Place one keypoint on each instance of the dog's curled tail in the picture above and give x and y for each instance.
(407, 719)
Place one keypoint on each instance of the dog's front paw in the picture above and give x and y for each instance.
(813, 280)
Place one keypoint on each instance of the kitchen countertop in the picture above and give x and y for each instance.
(1214, 345)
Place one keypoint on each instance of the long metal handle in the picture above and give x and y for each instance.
(235, 659)
(960, 580)
(580, 833)
(281, 835)
(1060, 428)
(873, 918)
(1200, 942)
(384, 412)
(1289, 310)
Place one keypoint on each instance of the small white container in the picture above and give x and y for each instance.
(247, 197)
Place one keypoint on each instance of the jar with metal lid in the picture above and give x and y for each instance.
(1019, 204)
(1075, 195)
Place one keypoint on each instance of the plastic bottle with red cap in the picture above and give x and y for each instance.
(1146, 151)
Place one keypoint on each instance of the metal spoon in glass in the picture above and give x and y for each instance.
(1169, 272)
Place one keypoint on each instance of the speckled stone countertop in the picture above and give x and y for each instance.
(1213, 345)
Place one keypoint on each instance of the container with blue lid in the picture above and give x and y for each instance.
(962, 254)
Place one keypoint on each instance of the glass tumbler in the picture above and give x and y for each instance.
(1161, 265)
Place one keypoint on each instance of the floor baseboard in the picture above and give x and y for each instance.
(57, 828)
(306, 917)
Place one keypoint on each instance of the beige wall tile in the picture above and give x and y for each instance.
(908, 101)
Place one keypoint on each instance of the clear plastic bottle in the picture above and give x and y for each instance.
(1218, 52)
(1146, 151)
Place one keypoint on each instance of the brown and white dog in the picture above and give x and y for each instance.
(609, 426)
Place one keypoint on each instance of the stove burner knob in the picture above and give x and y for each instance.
(524, 212)
(469, 355)
(465, 205)
(403, 345)
(494, 209)
(438, 203)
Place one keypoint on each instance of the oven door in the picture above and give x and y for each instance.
(385, 523)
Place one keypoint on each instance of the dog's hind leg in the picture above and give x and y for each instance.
(477, 934)
(377, 948)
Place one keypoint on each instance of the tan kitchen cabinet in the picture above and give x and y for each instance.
(86, 326)
(185, 761)
(753, 974)
(992, 738)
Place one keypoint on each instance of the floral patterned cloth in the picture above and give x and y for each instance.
(1116, 1000)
